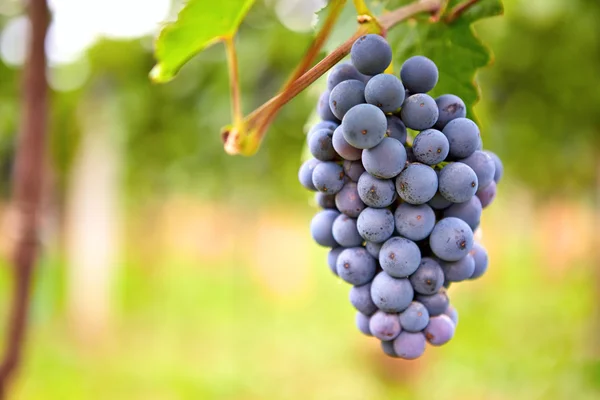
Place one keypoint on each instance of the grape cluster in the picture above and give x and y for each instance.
(398, 213)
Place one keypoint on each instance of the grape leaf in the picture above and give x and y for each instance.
(199, 24)
(454, 47)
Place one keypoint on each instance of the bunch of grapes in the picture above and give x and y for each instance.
(398, 213)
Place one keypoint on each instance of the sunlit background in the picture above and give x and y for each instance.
(173, 271)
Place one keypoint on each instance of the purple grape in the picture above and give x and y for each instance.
(345, 233)
(320, 145)
(384, 326)
(419, 74)
(376, 193)
(362, 323)
(360, 298)
(417, 184)
(450, 107)
(343, 148)
(375, 224)
(328, 177)
(483, 166)
(469, 211)
(364, 126)
(332, 257)
(409, 345)
(451, 239)
(323, 108)
(452, 313)
(388, 348)
(391, 294)
(430, 147)
(436, 304)
(385, 160)
(399, 257)
(457, 271)
(396, 128)
(414, 318)
(487, 194)
(353, 169)
(440, 330)
(463, 136)
(346, 95)
(320, 228)
(419, 112)
(499, 168)
(343, 72)
(356, 266)
(348, 201)
(371, 54)
(373, 249)
(414, 222)
(480, 257)
(457, 182)
(428, 278)
(306, 172)
(325, 200)
(386, 92)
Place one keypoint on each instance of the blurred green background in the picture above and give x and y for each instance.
(173, 271)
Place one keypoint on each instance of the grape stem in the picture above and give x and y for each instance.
(245, 137)
(458, 10)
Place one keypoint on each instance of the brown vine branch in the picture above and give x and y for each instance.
(458, 10)
(256, 123)
(27, 187)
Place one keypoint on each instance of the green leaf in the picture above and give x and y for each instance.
(455, 48)
(199, 24)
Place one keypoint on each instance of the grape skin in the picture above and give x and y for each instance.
(399, 257)
(487, 194)
(323, 108)
(452, 313)
(391, 294)
(419, 112)
(469, 211)
(451, 239)
(385, 160)
(373, 249)
(414, 222)
(345, 233)
(371, 54)
(440, 330)
(415, 318)
(499, 168)
(388, 348)
(343, 148)
(320, 228)
(348, 202)
(356, 266)
(458, 182)
(325, 200)
(360, 298)
(480, 257)
(396, 128)
(458, 271)
(417, 184)
(385, 91)
(430, 147)
(362, 323)
(353, 169)
(364, 126)
(384, 326)
(450, 107)
(346, 95)
(328, 177)
(438, 202)
(428, 278)
(463, 136)
(332, 257)
(409, 346)
(376, 193)
(436, 303)
(305, 173)
(375, 224)
(483, 166)
(343, 72)
(419, 74)
(322, 125)
(320, 145)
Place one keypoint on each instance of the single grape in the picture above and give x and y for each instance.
(483, 166)
(417, 184)
(325, 200)
(364, 126)
(376, 193)
(452, 313)
(345, 232)
(419, 74)
(332, 257)
(396, 128)
(353, 169)
(320, 145)
(384, 326)
(323, 108)
(348, 202)
(385, 160)
(399, 257)
(386, 92)
(428, 278)
(469, 211)
(450, 107)
(391, 294)
(322, 125)
(414, 222)
(362, 323)
(320, 227)
(373, 249)
(498, 167)
(457, 271)
(305, 173)
(375, 224)
(463, 136)
(388, 348)
(440, 330)
(487, 194)
(451, 239)
(436, 303)
(343, 148)
(458, 182)
(346, 95)
(360, 298)
(414, 318)
(328, 177)
(343, 72)
(371, 54)
(409, 345)
(419, 112)
(430, 147)
(438, 202)
(356, 266)
(480, 257)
